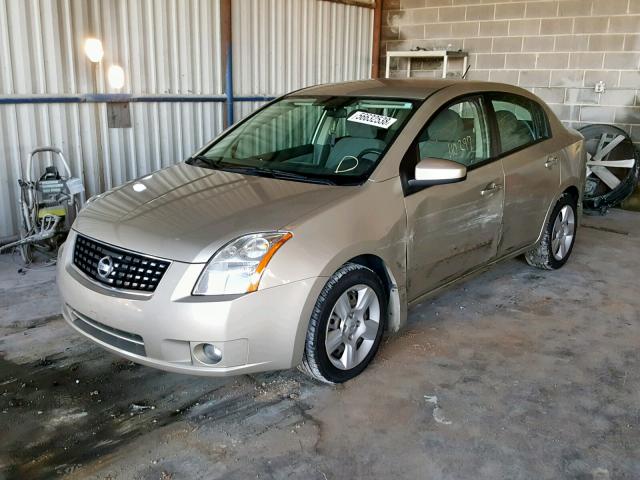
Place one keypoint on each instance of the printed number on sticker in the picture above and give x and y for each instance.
(379, 121)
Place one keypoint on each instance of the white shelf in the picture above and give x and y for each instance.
(445, 55)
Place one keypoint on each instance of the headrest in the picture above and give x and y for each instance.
(446, 127)
(360, 130)
(506, 120)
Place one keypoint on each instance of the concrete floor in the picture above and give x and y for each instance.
(536, 374)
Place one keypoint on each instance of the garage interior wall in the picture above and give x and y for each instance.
(166, 47)
(284, 45)
(557, 49)
(170, 51)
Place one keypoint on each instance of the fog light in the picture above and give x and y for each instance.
(207, 353)
(212, 352)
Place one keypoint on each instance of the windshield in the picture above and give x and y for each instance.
(337, 140)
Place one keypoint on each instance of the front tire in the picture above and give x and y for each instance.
(558, 238)
(346, 325)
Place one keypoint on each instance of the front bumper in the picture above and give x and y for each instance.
(264, 330)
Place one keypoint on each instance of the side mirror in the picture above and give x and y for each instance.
(435, 171)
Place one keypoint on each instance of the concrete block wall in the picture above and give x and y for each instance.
(559, 49)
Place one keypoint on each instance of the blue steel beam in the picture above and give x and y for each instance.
(228, 86)
(125, 97)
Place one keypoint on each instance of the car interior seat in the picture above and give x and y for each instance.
(446, 129)
(513, 132)
(360, 137)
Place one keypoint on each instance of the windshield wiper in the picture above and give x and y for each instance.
(284, 175)
(277, 174)
(218, 164)
(203, 159)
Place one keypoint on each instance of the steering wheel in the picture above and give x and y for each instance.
(357, 159)
(367, 151)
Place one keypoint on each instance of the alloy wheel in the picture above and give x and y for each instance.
(352, 327)
(563, 232)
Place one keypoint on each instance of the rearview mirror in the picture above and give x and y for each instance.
(436, 171)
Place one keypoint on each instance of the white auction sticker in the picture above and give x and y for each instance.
(379, 121)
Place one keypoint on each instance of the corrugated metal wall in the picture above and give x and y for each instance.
(165, 47)
(284, 45)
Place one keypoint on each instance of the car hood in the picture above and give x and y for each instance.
(186, 213)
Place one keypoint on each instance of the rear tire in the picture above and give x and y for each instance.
(558, 238)
(346, 325)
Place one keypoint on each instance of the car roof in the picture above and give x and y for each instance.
(411, 89)
(417, 89)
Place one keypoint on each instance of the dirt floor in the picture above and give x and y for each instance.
(517, 373)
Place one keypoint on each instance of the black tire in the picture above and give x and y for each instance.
(602, 198)
(542, 255)
(315, 361)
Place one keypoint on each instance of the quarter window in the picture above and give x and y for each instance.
(520, 121)
(458, 133)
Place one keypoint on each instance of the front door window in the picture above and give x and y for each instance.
(458, 133)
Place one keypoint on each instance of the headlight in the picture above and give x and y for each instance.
(237, 267)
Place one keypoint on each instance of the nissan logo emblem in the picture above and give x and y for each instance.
(105, 267)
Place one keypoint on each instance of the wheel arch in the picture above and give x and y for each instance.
(572, 190)
(396, 313)
(397, 304)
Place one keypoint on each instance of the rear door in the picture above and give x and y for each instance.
(453, 228)
(532, 172)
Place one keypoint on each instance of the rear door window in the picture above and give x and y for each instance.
(520, 122)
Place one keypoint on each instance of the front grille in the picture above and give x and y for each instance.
(120, 269)
(129, 342)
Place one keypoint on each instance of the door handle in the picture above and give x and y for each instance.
(490, 189)
(551, 161)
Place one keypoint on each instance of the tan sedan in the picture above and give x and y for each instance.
(301, 234)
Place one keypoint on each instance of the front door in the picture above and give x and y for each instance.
(532, 175)
(454, 228)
